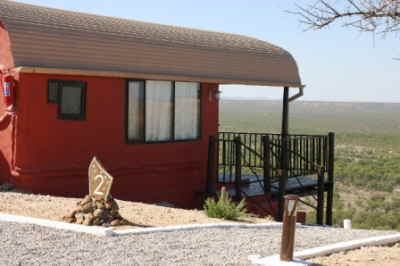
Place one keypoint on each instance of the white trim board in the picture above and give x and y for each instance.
(95, 230)
(329, 249)
(194, 227)
(112, 231)
(348, 245)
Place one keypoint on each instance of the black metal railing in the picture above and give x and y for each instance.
(271, 160)
(307, 155)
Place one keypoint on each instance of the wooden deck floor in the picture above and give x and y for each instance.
(302, 186)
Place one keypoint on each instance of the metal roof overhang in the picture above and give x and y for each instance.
(47, 40)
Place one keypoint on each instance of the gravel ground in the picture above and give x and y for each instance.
(34, 245)
(139, 214)
(366, 256)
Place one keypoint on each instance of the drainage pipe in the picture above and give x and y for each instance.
(297, 95)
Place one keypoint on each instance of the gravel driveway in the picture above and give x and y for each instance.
(23, 244)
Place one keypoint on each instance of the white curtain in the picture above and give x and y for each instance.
(135, 110)
(187, 110)
(158, 110)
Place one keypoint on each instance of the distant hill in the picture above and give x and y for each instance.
(310, 116)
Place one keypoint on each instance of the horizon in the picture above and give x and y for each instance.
(331, 62)
(244, 98)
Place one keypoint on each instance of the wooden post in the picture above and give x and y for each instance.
(238, 168)
(288, 228)
(212, 166)
(284, 153)
(266, 164)
(320, 198)
(331, 166)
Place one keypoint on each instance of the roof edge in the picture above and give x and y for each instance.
(133, 75)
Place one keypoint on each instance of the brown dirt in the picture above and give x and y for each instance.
(138, 214)
(368, 256)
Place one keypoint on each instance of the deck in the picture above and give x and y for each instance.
(302, 186)
(306, 162)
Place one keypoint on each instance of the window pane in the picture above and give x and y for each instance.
(187, 110)
(52, 93)
(71, 100)
(158, 110)
(136, 110)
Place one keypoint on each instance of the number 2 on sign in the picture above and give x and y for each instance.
(97, 190)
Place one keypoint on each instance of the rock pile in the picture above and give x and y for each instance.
(96, 212)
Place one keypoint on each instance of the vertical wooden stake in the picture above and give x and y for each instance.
(288, 228)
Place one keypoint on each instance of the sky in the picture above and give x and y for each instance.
(336, 64)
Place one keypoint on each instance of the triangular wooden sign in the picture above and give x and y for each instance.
(100, 181)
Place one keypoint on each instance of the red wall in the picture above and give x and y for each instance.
(6, 131)
(6, 58)
(6, 62)
(52, 155)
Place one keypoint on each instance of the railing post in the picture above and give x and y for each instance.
(331, 166)
(212, 167)
(238, 168)
(266, 164)
(284, 153)
(320, 198)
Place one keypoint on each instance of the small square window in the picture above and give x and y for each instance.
(70, 97)
(72, 100)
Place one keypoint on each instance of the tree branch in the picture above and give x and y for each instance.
(380, 16)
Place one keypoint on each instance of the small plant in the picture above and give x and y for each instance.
(225, 208)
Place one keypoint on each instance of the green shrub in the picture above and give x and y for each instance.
(225, 208)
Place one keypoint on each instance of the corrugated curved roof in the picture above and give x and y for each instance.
(53, 38)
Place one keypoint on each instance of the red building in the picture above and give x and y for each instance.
(140, 96)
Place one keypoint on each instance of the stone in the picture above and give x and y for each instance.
(115, 222)
(71, 214)
(98, 212)
(79, 220)
(100, 205)
(86, 222)
(87, 207)
(96, 221)
(114, 212)
(69, 219)
(85, 200)
(115, 205)
(89, 218)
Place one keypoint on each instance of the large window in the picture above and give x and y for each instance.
(70, 97)
(162, 111)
